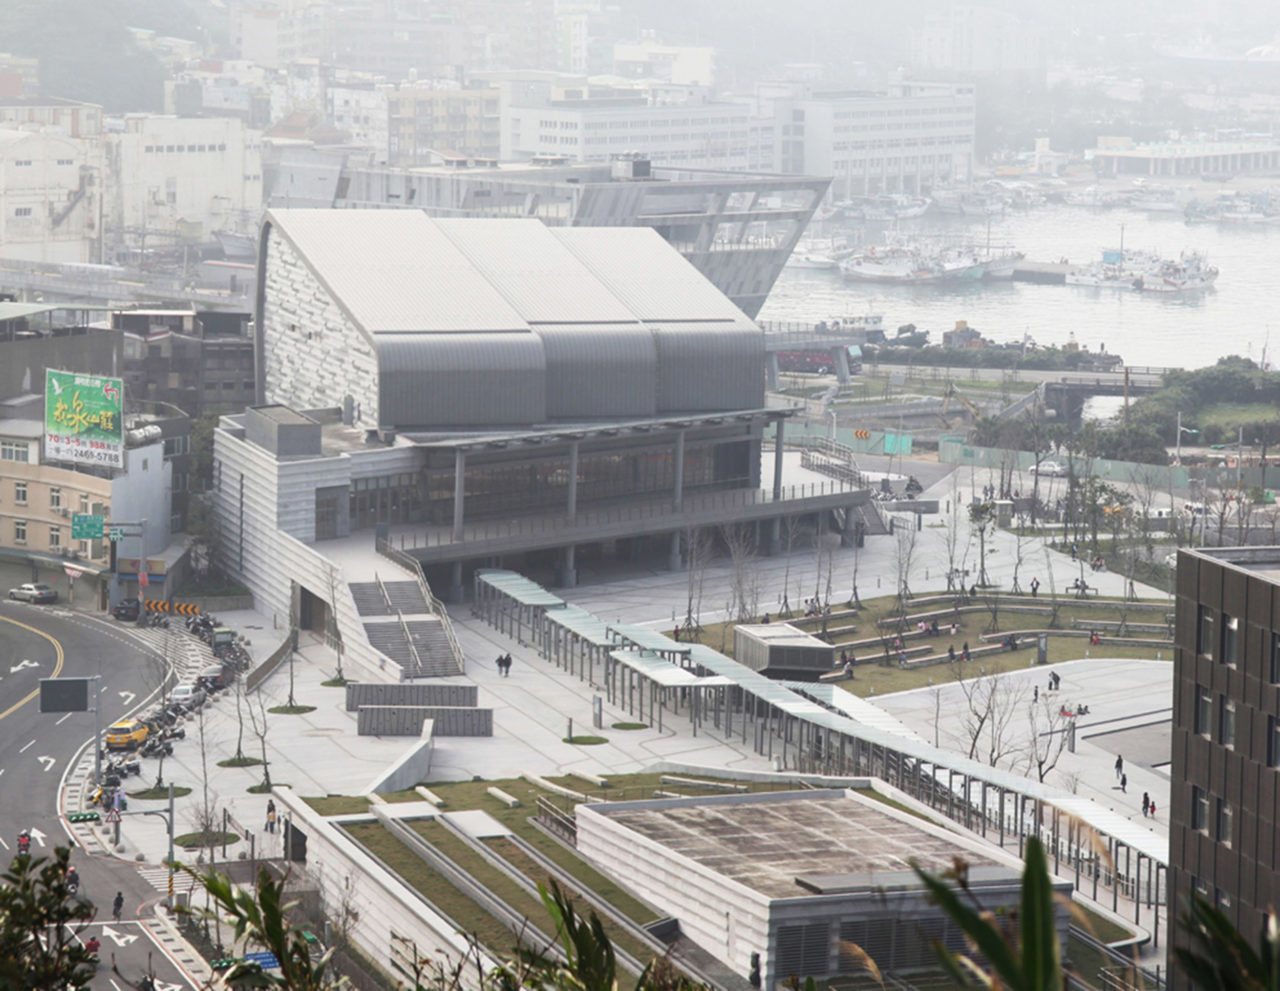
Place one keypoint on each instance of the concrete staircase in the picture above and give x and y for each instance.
(407, 598)
(389, 640)
(369, 599)
(432, 644)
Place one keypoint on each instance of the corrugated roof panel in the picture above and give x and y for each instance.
(460, 380)
(395, 271)
(542, 279)
(709, 366)
(599, 370)
(647, 274)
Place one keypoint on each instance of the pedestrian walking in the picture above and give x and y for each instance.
(1075, 550)
(951, 653)
(964, 652)
(498, 663)
(1035, 696)
(677, 633)
(506, 666)
(117, 906)
(271, 815)
(1124, 782)
(1119, 765)
(1153, 810)
(1146, 804)
(1035, 587)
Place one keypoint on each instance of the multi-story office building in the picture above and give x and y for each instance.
(564, 117)
(906, 139)
(66, 117)
(50, 197)
(684, 65)
(434, 116)
(1225, 796)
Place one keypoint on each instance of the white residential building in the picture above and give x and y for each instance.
(182, 178)
(50, 197)
(684, 65)
(362, 111)
(907, 139)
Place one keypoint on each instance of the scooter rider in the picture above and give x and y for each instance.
(24, 841)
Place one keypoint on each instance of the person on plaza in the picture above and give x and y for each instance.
(1119, 765)
(1075, 550)
(933, 628)
(1035, 587)
(271, 815)
(1035, 695)
(848, 668)
(951, 653)
(117, 906)
(1124, 782)
(964, 651)
(506, 665)
(1146, 804)
(24, 841)
(676, 635)
(766, 618)
(954, 628)
(1153, 810)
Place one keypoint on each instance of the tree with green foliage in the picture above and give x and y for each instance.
(40, 923)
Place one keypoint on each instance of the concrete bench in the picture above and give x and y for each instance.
(595, 779)
(510, 801)
(982, 651)
(670, 779)
(430, 796)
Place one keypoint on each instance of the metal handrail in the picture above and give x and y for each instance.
(386, 596)
(413, 565)
(417, 658)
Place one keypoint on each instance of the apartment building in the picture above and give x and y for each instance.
(50, 197)
(440, 116)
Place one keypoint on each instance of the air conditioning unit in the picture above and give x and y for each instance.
(62, 511)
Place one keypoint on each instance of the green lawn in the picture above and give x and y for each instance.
(334, 805)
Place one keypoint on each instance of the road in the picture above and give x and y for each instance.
(35, 750)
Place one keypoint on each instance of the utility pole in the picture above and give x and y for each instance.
(1239, 455)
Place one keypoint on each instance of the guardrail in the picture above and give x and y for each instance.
(384, 548)
(408, 638)
(259, 674)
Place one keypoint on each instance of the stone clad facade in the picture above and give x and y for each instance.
(318, 357)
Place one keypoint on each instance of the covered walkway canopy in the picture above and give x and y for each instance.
(823, 730)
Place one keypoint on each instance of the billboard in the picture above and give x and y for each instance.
(83, 419)
(64, 694)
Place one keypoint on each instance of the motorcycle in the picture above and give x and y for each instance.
(155, 746)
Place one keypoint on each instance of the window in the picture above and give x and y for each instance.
(20, 493)
(1204, 633)
(84, 503)
(66, 161)
(1273, 742)
(1226, 721)
(55, 537)
(1223, 834)
(14, 450)
(1230, 640)
(22, 162)
(1221, 899)
(1204, 710)
(1199, 808)
(1275, 659)
(55, 498)
(22, 211)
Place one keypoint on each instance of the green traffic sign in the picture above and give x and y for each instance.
(115, 533)
(86, 526)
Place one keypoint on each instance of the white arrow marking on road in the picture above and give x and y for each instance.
(120, 939)
(23, 664)
(161, 986)
(49, 766)
(128, 697)
(38, 836)
(3, 843)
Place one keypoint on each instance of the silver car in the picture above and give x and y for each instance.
(1053, 469)
(192, 696)
(34, 592)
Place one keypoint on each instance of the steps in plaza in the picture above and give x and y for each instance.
(369, 599)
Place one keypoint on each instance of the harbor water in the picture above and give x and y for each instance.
(1170, 330)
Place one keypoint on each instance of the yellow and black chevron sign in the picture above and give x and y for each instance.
(862, 434)
(180, 608)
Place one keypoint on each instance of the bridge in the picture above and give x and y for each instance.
(112, 284)
(1066, 393)
(835, 339)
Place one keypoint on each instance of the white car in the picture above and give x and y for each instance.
(192, 696)
(1054, 469)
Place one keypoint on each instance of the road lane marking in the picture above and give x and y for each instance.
(27, 747)
(64, 719)
(57, 668)
(23, 664)
(49, 766)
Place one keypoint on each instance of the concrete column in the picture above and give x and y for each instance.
(777, 459)
(674, 560)
(841, 356)
(455, 582)
(848, 536)
(572, 509)
(459, 490)
(771, 370)
(677, 495)
(567, 573)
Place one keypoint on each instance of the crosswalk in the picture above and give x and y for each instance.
(158, 878)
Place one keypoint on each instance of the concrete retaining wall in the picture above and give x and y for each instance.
(412, 767)
(365, 693)
(407, 720)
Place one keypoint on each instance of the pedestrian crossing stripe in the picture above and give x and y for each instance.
(158, 878)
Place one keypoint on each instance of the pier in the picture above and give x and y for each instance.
(1045, 273)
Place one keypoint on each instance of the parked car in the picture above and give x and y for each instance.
(128, 734)
(1054, 469)
(127, 610)
(34, 592)
(192, 696)
(216, 677)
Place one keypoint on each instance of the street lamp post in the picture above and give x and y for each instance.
(1181, 430)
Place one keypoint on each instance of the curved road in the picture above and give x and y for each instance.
(36, 749)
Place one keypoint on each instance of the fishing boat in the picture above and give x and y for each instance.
(1190, 273)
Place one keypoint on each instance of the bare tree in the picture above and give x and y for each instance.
(990, 706)
(1050, 732)
(335, 634)
(952, 538)
(740, 539)
(258, 720)
(904, 554)
(855, 600)
(790, 526)
(697, 550)
(982, 516)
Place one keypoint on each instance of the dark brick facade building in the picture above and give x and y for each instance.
(1225, 794)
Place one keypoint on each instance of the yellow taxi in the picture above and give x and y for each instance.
(127, 734)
